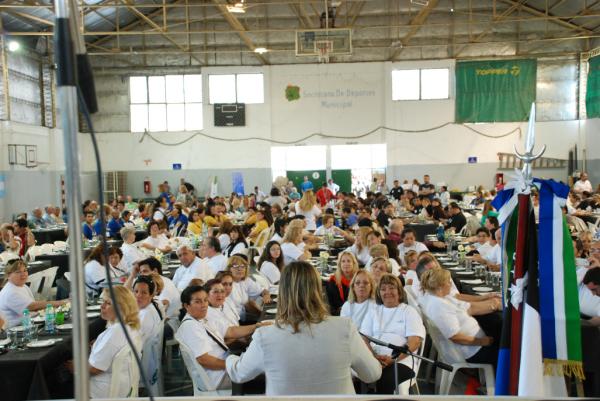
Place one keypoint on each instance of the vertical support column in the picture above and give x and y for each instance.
(5, 115)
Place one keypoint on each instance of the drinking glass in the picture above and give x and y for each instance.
(468, 264)
(16, 337)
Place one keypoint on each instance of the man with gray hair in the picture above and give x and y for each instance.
(211, 251)
(49, 217)
(191, 267)
(36, 220)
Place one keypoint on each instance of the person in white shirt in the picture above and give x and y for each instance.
(409, 243)
(483, 245)
(155, 239)
(589, 295)
(394, 322)
(16, 296)
(169, 296)
(360, 248)
(307, 352)
(237, 242)
(333, 187)
(150, 314)
(218, 309)
(454, 320)
(245, 290)
(229, 308)
(583, 185)
(493, 258)
(361, 298)
(223, 235)
(211, 251)
(379, 268)
(270, 263)
(110, 342)
(307, 207)
(292, 246)
(95, 273)
(280, 225)
(207, 340)
(191, 267)
(381, 251)
(444, 196)
(131, 253)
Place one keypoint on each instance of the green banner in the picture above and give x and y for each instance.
(592, 96)
(493, 91)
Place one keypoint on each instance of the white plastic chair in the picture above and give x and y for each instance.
(169, 344)
(35, 284)
(47, 249)
(404, 387)
(6, 256)
(60, 246)
(152, 360)
(449, 353)
(200, 380)
(124, 358)
(262, 281)
(49, 276)
(32, 253)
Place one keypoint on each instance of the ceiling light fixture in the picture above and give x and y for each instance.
(260, 50)
(237, 8)
(13, 46)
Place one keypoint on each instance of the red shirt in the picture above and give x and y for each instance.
(324, 195)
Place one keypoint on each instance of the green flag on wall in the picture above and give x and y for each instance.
(491, 91)
(592, 96)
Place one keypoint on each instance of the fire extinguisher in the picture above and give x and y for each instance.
(147, 186)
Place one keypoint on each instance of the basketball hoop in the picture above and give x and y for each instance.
(323, 48)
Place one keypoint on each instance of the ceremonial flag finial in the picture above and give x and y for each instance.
(528, 157)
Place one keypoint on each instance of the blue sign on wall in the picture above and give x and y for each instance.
(176, 166)
(472, 159)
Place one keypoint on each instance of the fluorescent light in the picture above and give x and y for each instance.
(237, 8)
(13, 46)
(260, 50)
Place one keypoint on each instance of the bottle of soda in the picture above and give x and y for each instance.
(49, 324)
(440, 232)
(27, 326)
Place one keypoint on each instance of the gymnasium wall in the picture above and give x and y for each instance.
(342, 100)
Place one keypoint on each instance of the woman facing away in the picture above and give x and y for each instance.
(306, 351)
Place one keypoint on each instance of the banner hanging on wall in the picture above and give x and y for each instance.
(494, 91)
(592, 96)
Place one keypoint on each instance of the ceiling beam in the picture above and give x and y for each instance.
(239, 28)
(157, 27)
(303, 22)
(415, 24)
(558, 21)
(490, 26)
(30, 17)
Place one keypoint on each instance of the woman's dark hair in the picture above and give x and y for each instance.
(389, 278)
(392, 248)
(186, 298)
(153, 263)
(210, 283)
(145, 280)
(150, 224)
(240, 239)
(115, 251)
(96, 254)
(279, 224)
(275, 192)
(268, 216)
(223, 273)
(226, 227)
(494, 222)
(266, 256)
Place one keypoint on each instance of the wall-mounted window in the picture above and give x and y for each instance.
(297, 158)
(236, 88)
(420, 84)
(166, 103)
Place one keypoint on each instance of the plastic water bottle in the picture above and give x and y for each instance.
(440, 232)
(49, 325)
(27, 326)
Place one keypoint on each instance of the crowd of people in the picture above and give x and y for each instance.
(385, 285)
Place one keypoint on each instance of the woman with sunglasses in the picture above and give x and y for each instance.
(245, 290)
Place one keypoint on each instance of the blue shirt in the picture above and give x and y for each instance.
(167, 198)
(351, 219)
(173, 221)
(114, 226)
(98, 227)
(306, 185)
(88, 231)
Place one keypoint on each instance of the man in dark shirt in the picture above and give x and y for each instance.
(385, 214)
(427, 188)
(457, 219)
(397, 190)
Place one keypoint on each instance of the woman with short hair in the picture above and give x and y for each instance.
(454, 320)
(245, 290)
(306, 351)
(131, 253)
(361, 297)
(144, 289)
(156, 240)
(394, 322)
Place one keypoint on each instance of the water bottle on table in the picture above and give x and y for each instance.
(49, 324)
(27, 326)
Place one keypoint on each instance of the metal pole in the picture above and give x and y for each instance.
(67, 98)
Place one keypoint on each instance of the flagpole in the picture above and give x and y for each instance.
(517, 314)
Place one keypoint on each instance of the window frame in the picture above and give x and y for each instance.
(166, 103)
(235, 85)
(448, 95)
